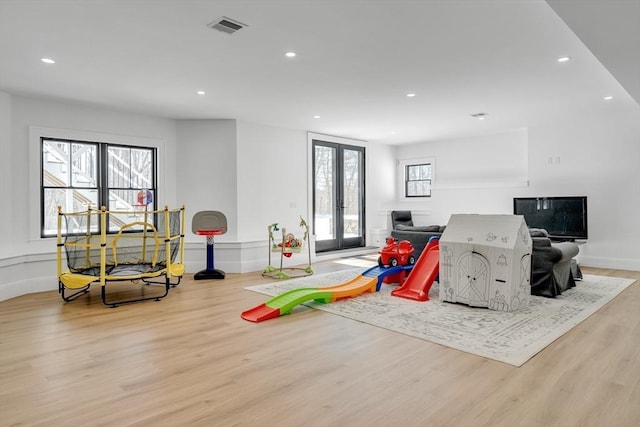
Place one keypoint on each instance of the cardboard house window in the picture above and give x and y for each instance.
(417, 180)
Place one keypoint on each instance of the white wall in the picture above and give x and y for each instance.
(471, 175)
(258, 175)
(5, 170)
(272, 180)
(27, 261)
(596, 155)
(380, 187)
(207, 171)
(255, 174)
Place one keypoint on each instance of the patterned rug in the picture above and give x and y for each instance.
(511, 338)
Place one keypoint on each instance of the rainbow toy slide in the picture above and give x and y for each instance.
(369, 281)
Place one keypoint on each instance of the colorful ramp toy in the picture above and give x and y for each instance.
(369, 281)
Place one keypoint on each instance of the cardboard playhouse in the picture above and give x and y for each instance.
(485, 261)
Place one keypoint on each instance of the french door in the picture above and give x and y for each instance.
(338, 196)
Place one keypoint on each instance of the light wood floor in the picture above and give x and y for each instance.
(191, 360)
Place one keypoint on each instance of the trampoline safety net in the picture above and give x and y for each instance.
(103, 246)
(139, 247)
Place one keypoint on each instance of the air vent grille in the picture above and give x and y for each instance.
(226, 25)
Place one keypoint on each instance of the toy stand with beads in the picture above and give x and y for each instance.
(287, 247)
(209, 224)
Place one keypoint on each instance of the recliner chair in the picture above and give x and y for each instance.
(401, 217)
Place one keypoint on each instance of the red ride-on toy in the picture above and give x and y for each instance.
(396, 253)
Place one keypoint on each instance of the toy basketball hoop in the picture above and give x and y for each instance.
(209, 224)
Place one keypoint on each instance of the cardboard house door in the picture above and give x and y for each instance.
(473, 279)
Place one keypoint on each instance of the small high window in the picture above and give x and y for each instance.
(417, 180)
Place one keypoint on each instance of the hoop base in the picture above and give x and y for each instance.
(209, 274)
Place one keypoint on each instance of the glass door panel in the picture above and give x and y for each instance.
(352, 195)
(338, 196)
(324, 197)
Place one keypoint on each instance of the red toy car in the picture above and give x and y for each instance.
(396, 253)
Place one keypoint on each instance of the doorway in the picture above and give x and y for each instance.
(338, 196)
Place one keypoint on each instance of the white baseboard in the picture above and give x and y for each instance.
(28, 285)
(612, 263)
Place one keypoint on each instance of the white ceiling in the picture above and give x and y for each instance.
(356, 61)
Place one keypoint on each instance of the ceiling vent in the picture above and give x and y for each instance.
(226, 25)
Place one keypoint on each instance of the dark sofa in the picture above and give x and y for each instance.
(553, 268)
(419, 235)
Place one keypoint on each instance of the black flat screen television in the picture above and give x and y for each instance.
(564, 218)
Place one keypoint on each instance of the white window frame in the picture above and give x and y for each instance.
(402, 170)
(35, 135)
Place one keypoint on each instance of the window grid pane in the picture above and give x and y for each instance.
(71, 172)
(418, 180)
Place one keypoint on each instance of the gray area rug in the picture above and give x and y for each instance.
(511, 338)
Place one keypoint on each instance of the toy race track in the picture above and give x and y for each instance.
(421, 278)
(369, 281)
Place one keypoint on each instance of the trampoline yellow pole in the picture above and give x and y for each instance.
(87, 254)
(59, 242)
(103, 245)
(167, 241)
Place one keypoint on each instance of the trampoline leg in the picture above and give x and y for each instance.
(67, 298)
(113, 304)
(173, 285)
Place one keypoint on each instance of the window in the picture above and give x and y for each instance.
(79, 175)
(417, 180)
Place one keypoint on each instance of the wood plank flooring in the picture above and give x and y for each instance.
(190, 360)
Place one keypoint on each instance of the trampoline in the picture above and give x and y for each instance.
(103, 246)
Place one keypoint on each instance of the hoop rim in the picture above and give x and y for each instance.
(210, 232)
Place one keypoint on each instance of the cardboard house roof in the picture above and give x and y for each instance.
(504, 231)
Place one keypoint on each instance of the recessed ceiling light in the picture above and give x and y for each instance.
(48, 61)
(411, 95)
(608, 98)
(290, 54)
(316, 117)
(201, 92)
(479, 116)
(564, 59)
